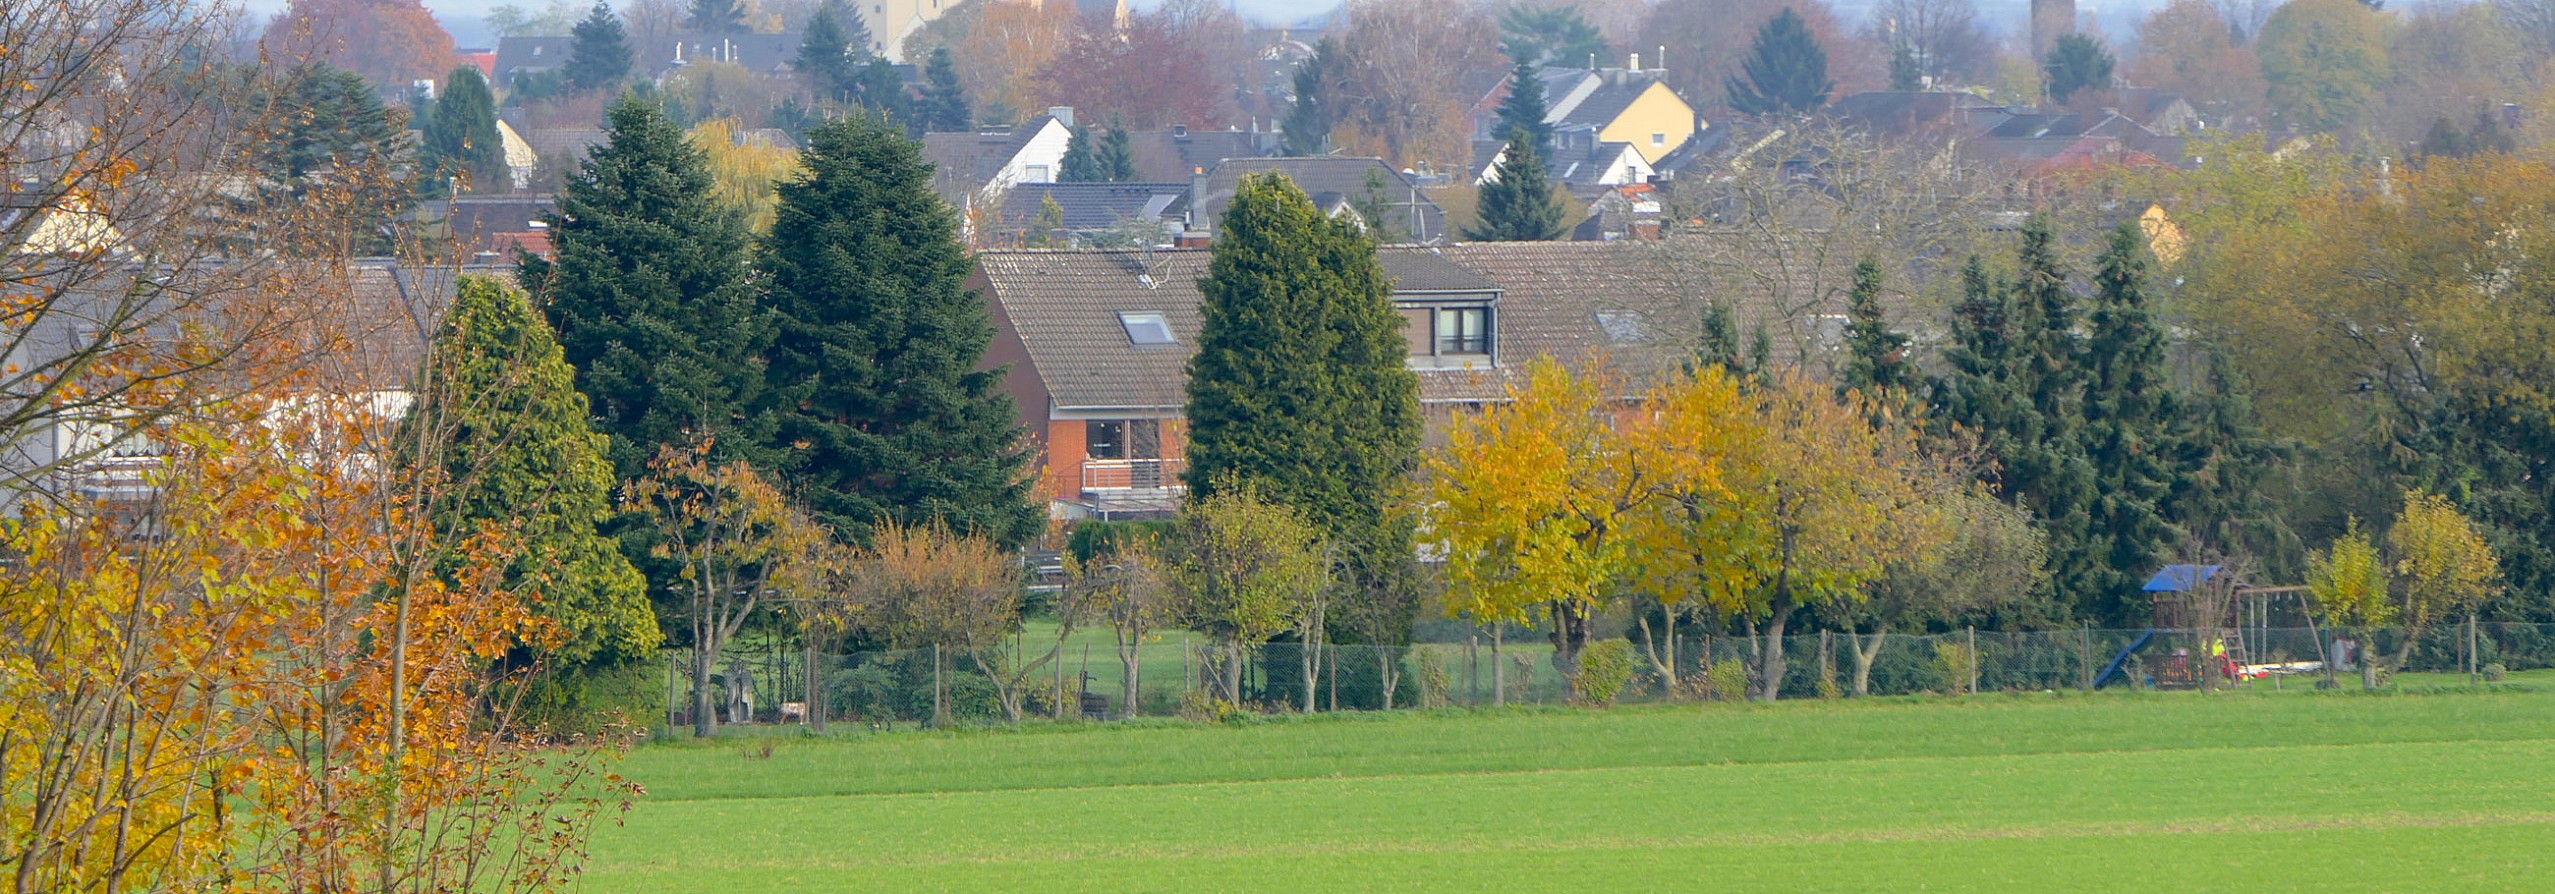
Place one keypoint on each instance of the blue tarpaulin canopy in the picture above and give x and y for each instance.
(2181, 578)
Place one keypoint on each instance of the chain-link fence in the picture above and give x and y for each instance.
(1188, 675)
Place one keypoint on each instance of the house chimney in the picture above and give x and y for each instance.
(1062, 114)
(1636, 62)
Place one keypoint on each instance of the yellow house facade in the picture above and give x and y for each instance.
(1656, 123)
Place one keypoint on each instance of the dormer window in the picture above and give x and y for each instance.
(1147, 328)
(1463, 330)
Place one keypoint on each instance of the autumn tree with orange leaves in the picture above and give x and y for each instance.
(392, 43)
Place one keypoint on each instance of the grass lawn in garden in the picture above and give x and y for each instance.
(2443, 790)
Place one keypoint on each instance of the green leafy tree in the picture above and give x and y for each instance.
(1787, 70)
(2076, 62)
(884, 409)
(826, 57)
(717, 16)
(2324, 61)
(1876, 360)
(649, 294)
(2132, 425)
(1243, 568)
(1308, 122)
(944, 103)
(1518, 204)
(1299, 386)
(500, 396)
(1557, 35)
(599, 56)
(461, 136)
(1523, 109)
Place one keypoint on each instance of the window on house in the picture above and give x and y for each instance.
(1418, 332)
(1147, 328)
(1463, 330)
(1122, 439)
(1036, 174)
(1658, 139)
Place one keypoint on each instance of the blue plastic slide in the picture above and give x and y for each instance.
(2112, 670)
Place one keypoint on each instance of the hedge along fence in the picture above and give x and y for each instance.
(1176, 676)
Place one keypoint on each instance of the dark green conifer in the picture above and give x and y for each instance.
(1518, 204)
(944, 103)
(599, 58)
(1876, 359)
(461, 138)
(883, 408)
(1787, 70)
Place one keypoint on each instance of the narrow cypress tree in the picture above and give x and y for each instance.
(1906, 74)
(825, 57)
(1876, 355)
(1787, 71)
(1299, 386)
(499, 393)
(1081, 163)
(649, 294)
(1308, 121)
(1518, 204)
(884, 411)
(1523, 109)
(717, 16)
(599, 57)
(944, 106)
(2131, 421)
(461, 136)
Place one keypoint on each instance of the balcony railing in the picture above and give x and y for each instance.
(1111, 475)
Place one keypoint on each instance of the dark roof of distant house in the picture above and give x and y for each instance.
(757, 52)
(1898, 113)
(1331, 180)
(1174, 155)
(478, 222)
(572, 142)
(1092, 206)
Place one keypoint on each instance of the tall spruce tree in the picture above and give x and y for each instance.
(336, 141)
(2016, 380)
(599, 55)
(717, 16)
(2131, 422)
(944, 104)
(499, 394)
(649, 294)
(825, 56)
(1787, 70)
(1116, 157)
(884, 410)
(2231, 473)
(1518, 204)
(882, 90)
(1299, 386)
(1308, 122)
(1524, 108)
(1081, 163)
(856, 33)
(1875, 355)
(461, 138)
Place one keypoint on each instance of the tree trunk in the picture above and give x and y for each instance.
(815, 689)
(1498, 671)
(1132, 684)
(1666, 667)
(1309, 657)
(703, 721)
(1569, 635)
(1865, 655)
(1827, 665)
(1388, 668)
(1770, 652)
(1233, 672)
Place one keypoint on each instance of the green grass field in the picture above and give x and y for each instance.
(2448, 790)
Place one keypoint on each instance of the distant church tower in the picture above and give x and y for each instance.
(2051, 20)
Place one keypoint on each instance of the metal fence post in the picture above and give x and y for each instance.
(2085, 654)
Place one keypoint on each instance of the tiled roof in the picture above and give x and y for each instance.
(1343, 177)
(1091, 206)
(1569, 300)
(1168, 155)
(964, 162)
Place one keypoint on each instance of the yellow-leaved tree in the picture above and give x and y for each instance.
(1529, 500)
(2348, 581)
(1691, 546)
(2446, 566)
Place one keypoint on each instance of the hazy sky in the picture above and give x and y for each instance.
(464, 18)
